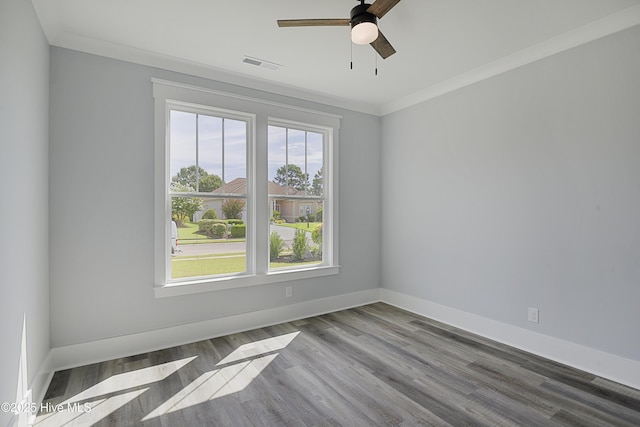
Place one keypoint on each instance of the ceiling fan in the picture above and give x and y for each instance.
(363, 22)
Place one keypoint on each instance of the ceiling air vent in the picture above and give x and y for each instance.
(261, 63)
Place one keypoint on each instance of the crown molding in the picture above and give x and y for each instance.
(153, 59)
(603, 27)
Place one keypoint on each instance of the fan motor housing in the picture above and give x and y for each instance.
(359, 14)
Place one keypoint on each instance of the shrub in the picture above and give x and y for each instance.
(276, 244)
(215, 228)
(210, 214)
(275, 216)
(232, 208)
(219, 231)
(319, 215)
(235, 221)
(238, 231)
(205, 225)
(300, 245)
(316, 235)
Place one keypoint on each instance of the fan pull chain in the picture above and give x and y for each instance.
(376, 55)
(351, 58)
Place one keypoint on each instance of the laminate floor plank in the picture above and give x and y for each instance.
(412, 413)
(374, 365)
(582, 402)
(482, 415)
(498, 378)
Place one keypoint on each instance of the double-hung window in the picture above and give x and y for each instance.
(208, 181)
(246, 191)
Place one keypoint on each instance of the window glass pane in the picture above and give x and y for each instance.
(208, 234)
(296, 160)
(314, 163)
(208, 248)
(235, 156)
(182, 150)
(277, 157)
(295, 233)
(210, 152)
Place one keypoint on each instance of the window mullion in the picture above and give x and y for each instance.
(286, 161)
(197, 189)
(222, 154)
(260, 175)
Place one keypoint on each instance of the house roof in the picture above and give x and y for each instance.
(239, 186)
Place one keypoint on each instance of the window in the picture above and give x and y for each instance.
(245, 191)
(296, 182)
(207, 190)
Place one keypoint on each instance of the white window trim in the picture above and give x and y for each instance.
(264, 112)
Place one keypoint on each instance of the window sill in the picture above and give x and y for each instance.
(212, 285)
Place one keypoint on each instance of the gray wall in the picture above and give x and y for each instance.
(101, 207)
(24, 244)
(523, 190)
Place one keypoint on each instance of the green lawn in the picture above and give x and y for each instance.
(205, 265)
(193, 266)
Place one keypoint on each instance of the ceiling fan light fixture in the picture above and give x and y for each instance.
(364, 25)
(364, 33)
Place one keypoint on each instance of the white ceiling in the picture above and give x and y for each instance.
(441, 44)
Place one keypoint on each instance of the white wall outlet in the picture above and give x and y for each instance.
(533, 315)
(288, 291)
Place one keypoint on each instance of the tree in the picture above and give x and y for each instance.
(292, 176)
(232, 208)
(183, 208)
(318, 183)
(187, 177)
(209, 183)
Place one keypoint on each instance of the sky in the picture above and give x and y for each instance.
(191, 133)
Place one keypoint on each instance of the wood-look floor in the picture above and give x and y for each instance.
(369, 366)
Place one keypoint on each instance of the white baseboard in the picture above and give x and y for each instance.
(111, 348)
(597, 362)
(605, 365)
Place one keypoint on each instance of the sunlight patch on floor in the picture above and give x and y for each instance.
(235, 372)
(88, 412)
(107, 396)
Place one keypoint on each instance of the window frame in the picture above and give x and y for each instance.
(249, 119)
(327, 196)
(263, 113)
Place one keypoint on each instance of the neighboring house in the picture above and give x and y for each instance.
(290, 209)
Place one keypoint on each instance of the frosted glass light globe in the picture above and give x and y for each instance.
(364, 33)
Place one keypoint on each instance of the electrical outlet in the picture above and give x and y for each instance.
(288, 291)
(533, 315)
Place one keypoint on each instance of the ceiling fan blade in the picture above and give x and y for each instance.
(382, 46)
(312, 22)
(381, 7)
